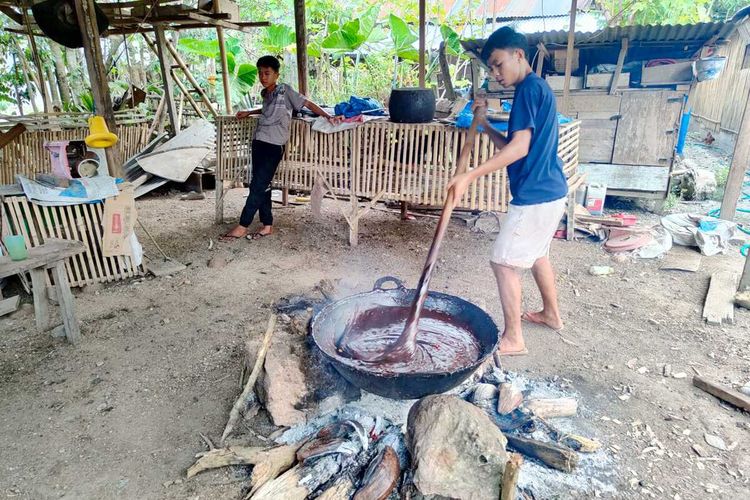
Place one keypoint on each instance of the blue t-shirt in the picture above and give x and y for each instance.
(538, 177)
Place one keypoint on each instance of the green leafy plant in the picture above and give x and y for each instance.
(403, 38)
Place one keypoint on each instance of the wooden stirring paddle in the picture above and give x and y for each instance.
(405, 346)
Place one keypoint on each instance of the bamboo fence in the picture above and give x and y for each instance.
(400, 162)
(83, 223)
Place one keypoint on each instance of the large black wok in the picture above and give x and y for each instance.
(331, 322)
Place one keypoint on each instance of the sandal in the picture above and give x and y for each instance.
(257, 236)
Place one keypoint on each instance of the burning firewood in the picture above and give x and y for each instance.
(509, 398)
(381, 476)
(510, 477)
(269, 463)
(549, 454)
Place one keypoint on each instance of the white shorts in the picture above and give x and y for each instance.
(526, 233)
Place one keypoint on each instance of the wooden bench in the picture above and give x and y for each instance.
(51, 255)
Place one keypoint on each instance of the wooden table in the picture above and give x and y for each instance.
(50, 255)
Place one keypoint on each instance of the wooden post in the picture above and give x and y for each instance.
(224, 70)
(220, 193)
(450, 93)
(740, 160)
(166, 64)
(618, 68)
(422, 42)
(569, 55)
(300, 29)
(540, 55)
(92, 49)
(745, 278)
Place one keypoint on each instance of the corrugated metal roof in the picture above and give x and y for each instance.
(700, 32)
(537, 8)
(690, 33)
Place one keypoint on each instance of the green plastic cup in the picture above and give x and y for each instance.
(16, 247)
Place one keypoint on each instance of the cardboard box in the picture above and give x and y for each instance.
(557, 82)
(119, 221)
(603, 80)
(595, 195)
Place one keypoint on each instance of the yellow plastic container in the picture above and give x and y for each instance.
(99, 135)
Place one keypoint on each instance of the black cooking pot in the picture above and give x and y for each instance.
(331, 322)
(412, 105)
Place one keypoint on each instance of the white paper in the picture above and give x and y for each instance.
(97, 188)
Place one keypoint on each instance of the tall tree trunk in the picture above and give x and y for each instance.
(19, 99)
(114, 48)
(142, 67)
(27, 75)
(76, 75)
(51, 81)
(62, 73)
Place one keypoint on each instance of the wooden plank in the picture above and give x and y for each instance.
(681, 260)
(618, 69)
(627, 177)
(646, 129)
(11, 135)
(67, 304)
(42, 256)
(727, 394)
(594, 102)
(9, 305)
(719, 305)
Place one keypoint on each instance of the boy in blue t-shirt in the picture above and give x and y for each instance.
(537, 184)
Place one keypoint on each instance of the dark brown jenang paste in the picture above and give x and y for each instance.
(441, 344)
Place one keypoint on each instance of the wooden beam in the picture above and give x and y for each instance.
(12, 13)
(11, 135)
(224, 71)
(620, 62)
(165, 64)
(569, 55)
(731, 396)
(300, 29)
(92, 50)
(422, 42)
(188, 74)
(450, 93)
(740, 161)
(187, 95)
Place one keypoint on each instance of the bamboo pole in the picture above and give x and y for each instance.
(190, 77)
(187, 95)
(37, 62)
(165, 65)
(224, 70)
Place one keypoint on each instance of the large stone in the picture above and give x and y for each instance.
(457, 452)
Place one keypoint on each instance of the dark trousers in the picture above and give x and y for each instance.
(266, 158)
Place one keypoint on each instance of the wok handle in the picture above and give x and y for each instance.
(386, 279)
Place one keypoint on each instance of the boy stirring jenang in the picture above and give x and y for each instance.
(537, 184)
(271, 134)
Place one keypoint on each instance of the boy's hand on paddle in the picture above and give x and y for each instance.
(242, 114)
(458, 184)
(479, 108)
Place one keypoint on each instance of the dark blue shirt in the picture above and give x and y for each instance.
(538, 177)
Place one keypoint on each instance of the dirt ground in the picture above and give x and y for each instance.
(120, 415)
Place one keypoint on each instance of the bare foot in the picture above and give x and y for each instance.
(263, 231)
(510, 347)
(236, 233)
(543, 318)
